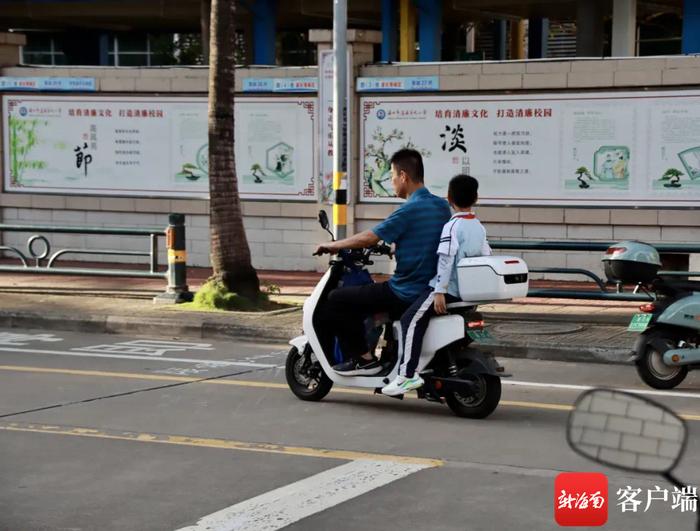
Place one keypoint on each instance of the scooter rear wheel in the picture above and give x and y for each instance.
(305, 376)
(651, 367)
(479, 405)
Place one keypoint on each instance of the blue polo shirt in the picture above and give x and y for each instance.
(415, 228)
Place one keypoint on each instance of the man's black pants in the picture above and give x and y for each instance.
(344, 313)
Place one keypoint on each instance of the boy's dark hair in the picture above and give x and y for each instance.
(462, 190)
(411, 162)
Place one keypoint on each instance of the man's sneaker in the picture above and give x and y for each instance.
(359, 368)
(402, 385)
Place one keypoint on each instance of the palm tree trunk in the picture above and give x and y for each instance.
(230, 254)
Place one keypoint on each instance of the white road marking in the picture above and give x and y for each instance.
(571, 387)
(19, 339)
(283, 506)
(214, 363)
(146, 347)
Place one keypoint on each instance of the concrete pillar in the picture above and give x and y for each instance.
(691, 26)
(589, 28)
(624, 29)
(407, 31)
(389, 12)
(537, 37)
(264, 25)
(470, 31)
(517, 39)
(429, 29)
(11, 47)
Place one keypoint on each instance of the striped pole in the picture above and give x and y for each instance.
(177, 290)
(340, 205)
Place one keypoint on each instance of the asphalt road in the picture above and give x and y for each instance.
(104, 432)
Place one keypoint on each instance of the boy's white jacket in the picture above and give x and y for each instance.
(463, 236)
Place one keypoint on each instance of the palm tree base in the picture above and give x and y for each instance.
(244, 282)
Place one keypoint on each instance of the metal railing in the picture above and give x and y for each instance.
(603, 293)
(45, 262)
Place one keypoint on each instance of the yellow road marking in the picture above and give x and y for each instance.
(262, 385)
(536, 405)
(223, 444)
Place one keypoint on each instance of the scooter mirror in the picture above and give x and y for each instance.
(626, 431)
(323, 219)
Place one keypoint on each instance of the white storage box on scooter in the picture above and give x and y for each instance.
(492, 278)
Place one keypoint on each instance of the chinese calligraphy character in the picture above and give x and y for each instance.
(566, 500)
(627, 499)
(656, 494)
(685, 498)
(457, 140)
(82, 159)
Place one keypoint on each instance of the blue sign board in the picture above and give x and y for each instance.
(251, 84)
(398, 84)
(280, 84)
(63, 84)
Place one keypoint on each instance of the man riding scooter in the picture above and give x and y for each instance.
(415, 228)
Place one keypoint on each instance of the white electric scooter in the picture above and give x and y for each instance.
(456, 373)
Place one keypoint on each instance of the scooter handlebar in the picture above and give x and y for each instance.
(382, 249)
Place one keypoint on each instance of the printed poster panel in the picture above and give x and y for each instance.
(603, 149)
(155, 147)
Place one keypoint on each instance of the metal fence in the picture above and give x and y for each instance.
(44, 262)
(613, 291)
(40, 259)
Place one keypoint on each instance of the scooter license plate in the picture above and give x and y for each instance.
(639, 322)
(482, 336)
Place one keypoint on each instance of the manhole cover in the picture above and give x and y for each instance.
(533, 329)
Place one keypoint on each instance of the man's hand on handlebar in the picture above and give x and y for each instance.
(325, 248)
(335, 248)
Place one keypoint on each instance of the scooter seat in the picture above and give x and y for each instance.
(461, 304)
(465, 309)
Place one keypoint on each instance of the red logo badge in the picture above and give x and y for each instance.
(581, 499)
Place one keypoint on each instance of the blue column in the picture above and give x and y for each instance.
(104, 49)
(501, 40)
(537, 37)
(429, 29)
(691, 26)
(264, 25)
(389, 30)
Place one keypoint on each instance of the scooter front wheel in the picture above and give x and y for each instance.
(651, 367)
(480, 404)
(305, 375)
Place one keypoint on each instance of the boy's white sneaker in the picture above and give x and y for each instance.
(402, 385)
